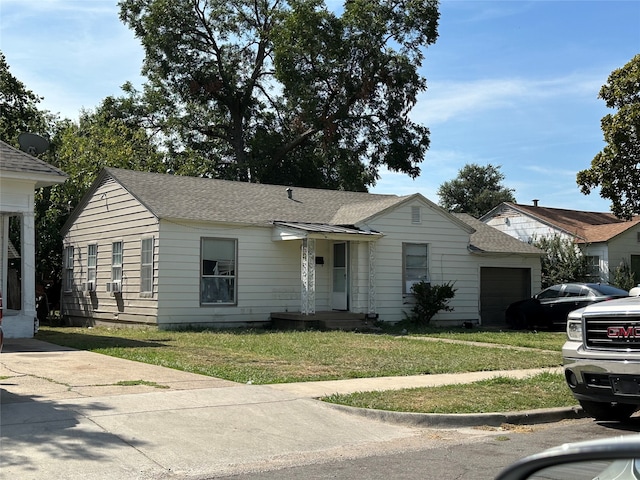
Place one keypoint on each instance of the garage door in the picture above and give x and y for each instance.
(498, 288)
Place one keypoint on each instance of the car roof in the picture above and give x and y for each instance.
(604, 288)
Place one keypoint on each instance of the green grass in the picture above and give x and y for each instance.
(540, 340)
(265, 357)
(498, 394)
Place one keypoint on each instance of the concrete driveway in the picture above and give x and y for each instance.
(80, 415)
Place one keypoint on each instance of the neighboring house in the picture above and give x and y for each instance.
(20, 175)
(606, 240)
(177, 251)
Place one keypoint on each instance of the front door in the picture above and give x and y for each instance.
(340, 276)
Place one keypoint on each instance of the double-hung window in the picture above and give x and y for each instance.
(593, 266)
(68, 269)
(415, 264)
(92, 263)
(146, 266)
(218, 271)
(116, 266)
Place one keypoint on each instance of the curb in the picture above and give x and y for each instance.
(457, 420)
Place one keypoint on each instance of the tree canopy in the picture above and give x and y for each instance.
(616, 169)
(278, 91)
(19, 110)
(475, 191)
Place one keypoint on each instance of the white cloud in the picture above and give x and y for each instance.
(445, 100)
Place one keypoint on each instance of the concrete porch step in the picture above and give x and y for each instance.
(330, 320)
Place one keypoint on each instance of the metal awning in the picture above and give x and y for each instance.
(301, 230)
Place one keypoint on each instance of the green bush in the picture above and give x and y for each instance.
(623, 277)
(429, 300)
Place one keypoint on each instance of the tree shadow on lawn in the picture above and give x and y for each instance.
(87, 341)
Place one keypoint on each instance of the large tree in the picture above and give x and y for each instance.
(475, 191)
(19, 110)
(285, 91)
(616, 169)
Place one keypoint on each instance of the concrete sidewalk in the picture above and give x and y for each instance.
(75, 414)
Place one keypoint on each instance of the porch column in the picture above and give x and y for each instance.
(372, 277)
(4, 257)
(308, 271)
(28, 254)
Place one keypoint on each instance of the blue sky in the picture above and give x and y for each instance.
(512, 83)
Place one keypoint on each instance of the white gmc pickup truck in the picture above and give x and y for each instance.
(602, 357)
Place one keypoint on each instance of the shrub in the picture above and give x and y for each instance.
(563, 261)
(623, 277)
(429, 300)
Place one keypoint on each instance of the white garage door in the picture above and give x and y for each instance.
(499, 287)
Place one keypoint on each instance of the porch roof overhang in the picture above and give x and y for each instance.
(300, 231)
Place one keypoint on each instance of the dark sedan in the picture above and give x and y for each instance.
(551, 306)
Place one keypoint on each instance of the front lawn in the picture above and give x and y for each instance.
(264, 357)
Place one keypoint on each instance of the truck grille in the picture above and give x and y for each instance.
(613, 333)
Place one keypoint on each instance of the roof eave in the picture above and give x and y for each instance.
(39, 179)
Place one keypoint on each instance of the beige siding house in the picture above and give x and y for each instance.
(605, 239)
(178, 252)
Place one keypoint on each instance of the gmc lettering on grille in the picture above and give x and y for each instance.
(623, 332)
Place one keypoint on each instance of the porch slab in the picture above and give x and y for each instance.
(327, 320)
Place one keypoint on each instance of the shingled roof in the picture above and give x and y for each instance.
(17, 164)
(487, 239)
(204, 199)
(588, 227)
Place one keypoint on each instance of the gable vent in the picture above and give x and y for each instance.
(416, 215)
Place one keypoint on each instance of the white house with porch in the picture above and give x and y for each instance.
(176, 252)
(21, 175)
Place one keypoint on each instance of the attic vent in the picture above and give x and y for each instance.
(415, 215)
(638, 237)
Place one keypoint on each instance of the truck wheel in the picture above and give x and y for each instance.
(608, 412)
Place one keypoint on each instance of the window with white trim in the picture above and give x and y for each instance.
(92, 263)
(116, 262)
(68, 268)
(218, 271)
(146, 266)
(415, 264)
(593, 262)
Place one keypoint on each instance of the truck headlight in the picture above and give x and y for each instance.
(574, 330)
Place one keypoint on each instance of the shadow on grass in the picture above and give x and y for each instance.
(87, 341)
